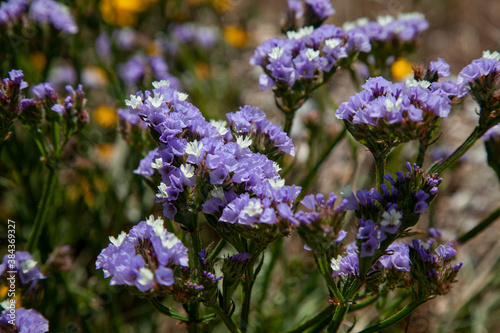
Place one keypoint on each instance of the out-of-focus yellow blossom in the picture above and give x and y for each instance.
(154, 48)
(3, 293)
(401, 69)
(123, 12)
(105, 152)
(38, 61)
(203, 71)
(235, 36)
(105, 116)
(223, 5)
(94, 76)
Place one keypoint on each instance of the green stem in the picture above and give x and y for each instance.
(43, 208)
(338, 318)
(276, 252)
(314, 170)
(363, 304)
(247, 294)
(460, 151)
(462, 239)
(327, 275)
(380, 160)
(217, 250)
(327, 312)
(168, 311)
(288, 122)
(407, 310)
(193, 317)
(231, 326)
(422, 148)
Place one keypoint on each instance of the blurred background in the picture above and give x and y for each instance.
(203, 48)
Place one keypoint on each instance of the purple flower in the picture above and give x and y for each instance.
(445, 252)
(321, 8)
(479, 67)
(440, 67)
(144, 257)
(132, 71)
(397, 257)
(57, 14)
(26, 321)
(26, 267)
(12, 10)
(43, 90)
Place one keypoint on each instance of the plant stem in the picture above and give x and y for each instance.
(462, 239)
(332, 286)
(276, 252)
(326, 312)
(314, 170)
(231, 326)
(247, 294)
(168, 311)
(42, 212)
(422, 148)
(193, 317)
(396, 317)
(217, 250)
(460, 151)
(338, 318)
(288, 122)
(363, 304)
(380, 159)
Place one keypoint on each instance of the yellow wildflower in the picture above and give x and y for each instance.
(401, 69)
(235, 36)
(105, 116)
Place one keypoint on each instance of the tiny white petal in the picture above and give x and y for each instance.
(276, 52)
(277, 167)
(244, 142)
(28, 265)
(311, 54)
(163, 191)
(220, 125)
(134, 102)
(491, 55)
(157, 164)
(217, 192)
(194, 148)
(332, 43)
(253, 208)
(156, 100)
(187, 170)
(119, 240)
(277, 183)
(182, 96)
(335, 264)
(161, 83)
(145, 276)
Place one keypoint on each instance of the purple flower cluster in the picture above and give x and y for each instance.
(394, 112)
(263, 133)
(307, 13)
(12, 10)
(347, 265)
(26, 267)
(55, 13)
(405, 27)
(397, 257)
(145, 257)
(304, 54)
(203, 36)
(489, 63)
(134, 71)
(203, 159)
(26, 321)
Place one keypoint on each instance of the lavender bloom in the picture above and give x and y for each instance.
(492, 134)
(204, 36)
(439, 67)
(445, 252)
(57, 14)
(132, 71)
(26, 321)
(144, 258)
(103, 47)
(397, 257)
(27, 269)
(478, 67)
(12, 10)
(321, 8)
(348, 265)
(44, 90)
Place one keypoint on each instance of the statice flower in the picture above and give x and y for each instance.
(203, 36)
(26, 268)
(12, 10)
(348, 264)
(398, 257)
(386, 114)
(26, 321)
(432, 271)
(145, 258)
(55, 13)
(306, 56)
(482, 79)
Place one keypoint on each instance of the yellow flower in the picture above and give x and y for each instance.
(401, 69)
(223, 5)
(105, 116)
(38, 61)
(235, 36)
(123, 12)
(105, 151)
(203, 71)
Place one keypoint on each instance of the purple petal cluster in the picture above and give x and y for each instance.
(347, 265)
(203, 36)
(406, 27)
(263, 133)
(26, 267)
(231, 181)
(304, 54)
(144, 258)
(397, 257)
(12, 10)
(55, 13)
(321, 8)
(26, 321)
(480, 67)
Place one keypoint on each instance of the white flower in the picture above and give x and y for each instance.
(119, 240)
(391, 218)
(220, 125)
(162, 83)
(311, 54)
(28, 265)
(413, 83)
(163, 191)
(390, 106)
(353, 24)
(332, 43)
(335, 264)
(277, 183)
(145, 276)
(187, 170)
(134, 102)
(305, 31)
(182, 96)
(244, 142)
(277, 167)
(217, 192)
(154, 222)
(346, 191)
(491, 55)
(156, 100)
(157, 164)
(276, 53)
(384, 20)
(411, 16)
(253, 208)
(194, 148)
